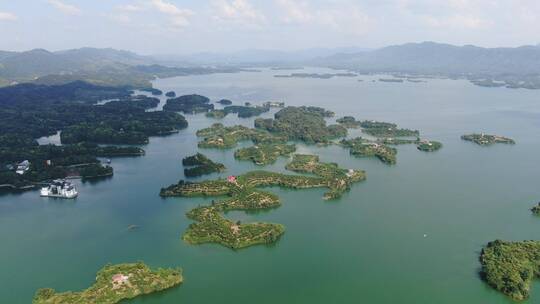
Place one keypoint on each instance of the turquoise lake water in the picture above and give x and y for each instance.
(367, 247)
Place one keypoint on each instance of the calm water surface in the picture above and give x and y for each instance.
(367, 247)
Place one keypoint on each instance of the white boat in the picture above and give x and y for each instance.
(59, 188)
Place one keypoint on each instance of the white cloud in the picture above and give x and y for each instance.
(458, 21)
(179, 17)
(294, 11)
(65, 8)
(240, 11)
(5, 16)
(129, 8)
(345, 17)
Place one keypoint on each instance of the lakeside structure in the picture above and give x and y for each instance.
(60, 189)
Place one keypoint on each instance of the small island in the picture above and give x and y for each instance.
(487, 140)
(360, 147)
(200, 165)
(386, 129)
(428, 146)
(536, 209)
(510, 267)
(115, 283)
(170, 94)
(212, 227)
(390, 80)
(189, 104)
(225, 102)
(264, 154)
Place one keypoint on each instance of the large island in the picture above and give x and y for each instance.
(212, 227)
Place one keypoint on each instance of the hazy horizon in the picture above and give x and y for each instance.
(153, 27)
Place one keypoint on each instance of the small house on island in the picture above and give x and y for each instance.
(22, 167)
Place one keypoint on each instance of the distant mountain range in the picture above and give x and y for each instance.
(440, 59)
(124, 68)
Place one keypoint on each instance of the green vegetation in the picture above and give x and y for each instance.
(536, 209)
(212, 227)
(246, 111)
(190, 104)
(385, 129)
(51, 162)
(219, 136)
(30, 111)
(302, 123)
(170, 94)
(360, 147)
(115, 283)
(264, 154)
(487, 140)
(428, 146)
(397, 141)
(218, 114)
(201, 165)
(349, 122)
(510, 267)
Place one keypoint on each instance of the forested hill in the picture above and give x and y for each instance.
(436, 58)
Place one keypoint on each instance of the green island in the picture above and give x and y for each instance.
(200, 165)
(153, 91)
(189, 104)
(428, 145)
(536, 209)
(386, 129)
(115, 283)
(264, 154)
(170, 94)
(487, 140)
(510, 267)
(397, 141)
(212, 227)
(306, 124)
(360, 147)
(349, 122)
(221, 137)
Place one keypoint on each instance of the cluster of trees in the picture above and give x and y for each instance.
(303, 123)
(246, 111)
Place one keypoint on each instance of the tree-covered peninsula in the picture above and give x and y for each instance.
(115, 283)
(211, 226)
(306, 124)
(199, 164)
(510, 267)
(264, 154)
(47, 162)
(487, 140)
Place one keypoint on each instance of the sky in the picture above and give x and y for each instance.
(191, 26)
